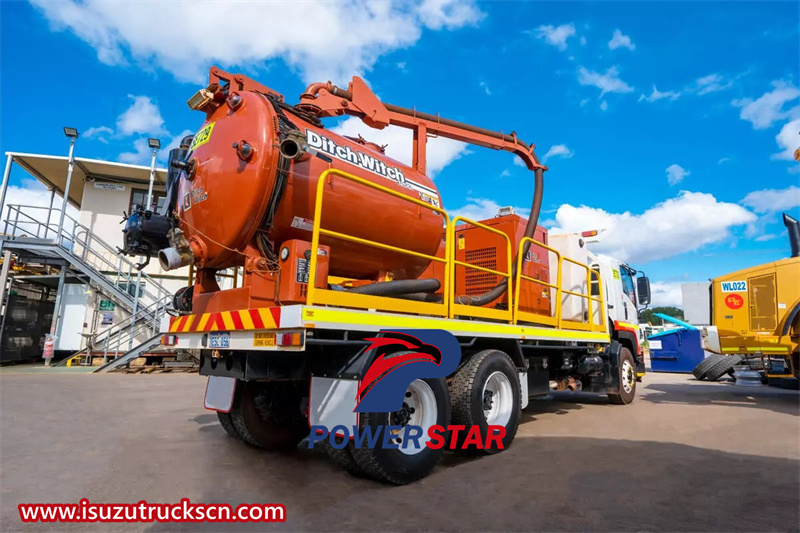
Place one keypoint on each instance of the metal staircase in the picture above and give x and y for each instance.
(33, 238)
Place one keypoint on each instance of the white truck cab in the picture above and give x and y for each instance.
(626, 290)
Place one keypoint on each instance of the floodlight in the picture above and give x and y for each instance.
(71, 133)
(154, 143)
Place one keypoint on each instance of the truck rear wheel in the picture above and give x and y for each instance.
(485, 391)
(342, 457)
(267, 415)
(427, 403)
(226, 422)
(627, 379)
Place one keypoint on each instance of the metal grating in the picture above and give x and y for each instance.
(475, 281)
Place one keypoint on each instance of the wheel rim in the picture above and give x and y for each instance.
(628, 378)
(420, 408)
(498, 399)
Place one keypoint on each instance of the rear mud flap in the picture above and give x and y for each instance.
(331, 403)
(219, 394)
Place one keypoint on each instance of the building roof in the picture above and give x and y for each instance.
(52, 171)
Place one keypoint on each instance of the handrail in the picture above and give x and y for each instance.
(348, 299)
(559, 322)
(84, 237)
(148, 303)
(449, 306)
(521, 276)
(467, 310)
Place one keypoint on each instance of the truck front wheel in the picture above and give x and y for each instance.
(268, 415)
(627, 379)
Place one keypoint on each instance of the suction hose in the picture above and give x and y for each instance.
(399, 287)
(500, 289)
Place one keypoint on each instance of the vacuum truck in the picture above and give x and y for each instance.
(339, 246)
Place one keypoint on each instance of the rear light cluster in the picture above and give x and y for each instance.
(169, 340)
(289, 339)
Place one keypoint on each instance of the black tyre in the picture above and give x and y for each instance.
(427, 403)
(342, 457)
(226, 419)
(722, 367)
(268, 415)
(705, 365)
(485, 391)
(627, 379)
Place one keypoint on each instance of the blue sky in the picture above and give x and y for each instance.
(672, 123)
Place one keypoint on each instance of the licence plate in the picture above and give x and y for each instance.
(219, 340)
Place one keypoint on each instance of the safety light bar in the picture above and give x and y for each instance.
(592, 233)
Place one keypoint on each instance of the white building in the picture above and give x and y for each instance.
(89, 288)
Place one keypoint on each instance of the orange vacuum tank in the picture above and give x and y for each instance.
(235, 162)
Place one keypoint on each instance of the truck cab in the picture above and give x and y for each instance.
(626, 291)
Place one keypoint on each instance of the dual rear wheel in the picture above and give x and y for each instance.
(484, 394)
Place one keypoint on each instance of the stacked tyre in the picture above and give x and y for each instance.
(715, 366)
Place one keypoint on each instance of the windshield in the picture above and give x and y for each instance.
(627, 283)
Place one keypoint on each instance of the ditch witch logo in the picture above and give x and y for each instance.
(403, 357)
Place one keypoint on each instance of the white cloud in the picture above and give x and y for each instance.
(666, 293)
(768, 108)
(604, 105)
(441, 152)
(142, 117)
(556, 35)
(701, 86)
(140, 156)
(678, 225)
(449, 14)
(676, 173)
(657, 95)
(329, 40)
(711, 84)
(99, 133)
(788, 139)
(559, 150)
(482, 208)
(485, 88)
(723, 160)
(618, 40)
(519, 162)
(766, 237)
(505, 173)
(583, 40)
(772, 200)
(609, 82)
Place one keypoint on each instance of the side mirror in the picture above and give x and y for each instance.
(643, 290)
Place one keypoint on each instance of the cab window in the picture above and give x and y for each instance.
(627, 283)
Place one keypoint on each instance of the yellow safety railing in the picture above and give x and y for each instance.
(316, 295)
(459, 309)
(449, 307)
(556, 319)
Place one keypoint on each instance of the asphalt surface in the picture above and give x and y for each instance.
(685, 456)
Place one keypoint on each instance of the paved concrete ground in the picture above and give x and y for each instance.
(685, 456)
